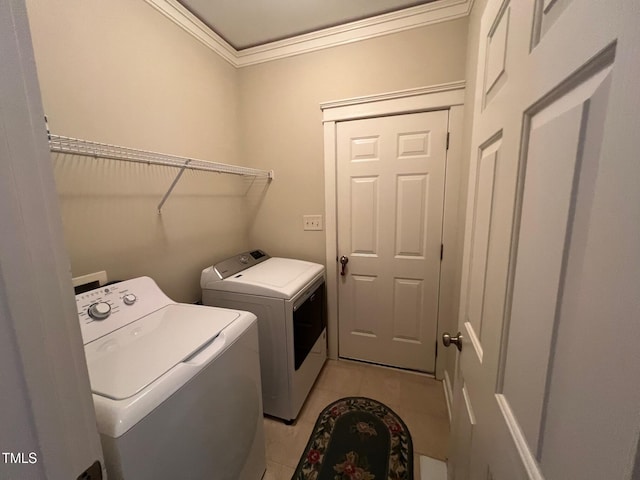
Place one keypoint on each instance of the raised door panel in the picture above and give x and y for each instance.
(547, 13)
(414, 144)
(365, 320)
(496, 54)
(364, 216)
(365, 149)
(560, 165)
(411, 216)
(462, 433)
(483, 207)
(408, 310)
(572, 374)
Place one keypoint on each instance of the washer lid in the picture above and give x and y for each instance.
(124, 362)
(275, 277)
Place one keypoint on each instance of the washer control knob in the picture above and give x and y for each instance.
(99, 310)
(244, 259)
(129, 299)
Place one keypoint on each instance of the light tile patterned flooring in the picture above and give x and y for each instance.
(419, 400)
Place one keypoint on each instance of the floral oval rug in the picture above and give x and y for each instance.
(357, 438)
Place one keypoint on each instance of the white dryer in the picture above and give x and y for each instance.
(176, 387)
(288, 297)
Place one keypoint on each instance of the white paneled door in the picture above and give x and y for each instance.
(391, 173)
(549, 311)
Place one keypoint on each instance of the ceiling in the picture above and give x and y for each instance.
(250, 23)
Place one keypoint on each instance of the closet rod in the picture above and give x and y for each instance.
(62, 144)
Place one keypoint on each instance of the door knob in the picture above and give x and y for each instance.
(343, 260)
(447, 340)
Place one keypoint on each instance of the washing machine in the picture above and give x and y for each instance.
(288, 297)
(176, 387)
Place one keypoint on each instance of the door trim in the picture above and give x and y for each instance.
(437, 97)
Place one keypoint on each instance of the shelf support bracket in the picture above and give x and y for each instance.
(173, 184)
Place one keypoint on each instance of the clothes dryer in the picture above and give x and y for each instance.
(288, 297)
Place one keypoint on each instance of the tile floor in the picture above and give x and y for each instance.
(419, 401)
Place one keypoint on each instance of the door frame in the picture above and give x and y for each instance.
(447, 96)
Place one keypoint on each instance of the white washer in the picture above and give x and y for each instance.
(288, 297)
(176, 387)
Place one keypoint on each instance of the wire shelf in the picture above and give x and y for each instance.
(76, 146)
(61, 144)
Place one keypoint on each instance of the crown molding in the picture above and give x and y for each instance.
(186, 20)
(419, 16)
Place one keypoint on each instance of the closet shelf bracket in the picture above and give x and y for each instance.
(173, 184)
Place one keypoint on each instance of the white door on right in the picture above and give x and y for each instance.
(547, 384)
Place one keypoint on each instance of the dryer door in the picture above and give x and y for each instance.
(309, 321)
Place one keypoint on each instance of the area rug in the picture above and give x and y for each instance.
(357, 438)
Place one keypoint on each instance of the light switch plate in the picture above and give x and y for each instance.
(312, 222)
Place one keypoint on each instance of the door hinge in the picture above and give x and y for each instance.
(441, 251)
(448, 135)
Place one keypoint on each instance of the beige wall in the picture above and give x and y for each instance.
(119, 72)
(282, 122)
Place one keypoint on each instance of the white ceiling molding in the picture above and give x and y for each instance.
(186, 20)
(419, 16)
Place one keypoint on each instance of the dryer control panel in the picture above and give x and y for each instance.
(238, 263)
(106, 309)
